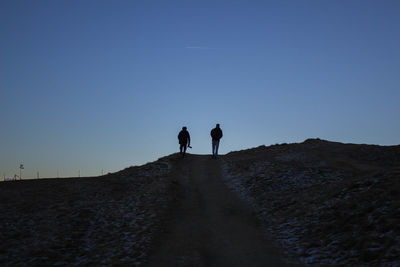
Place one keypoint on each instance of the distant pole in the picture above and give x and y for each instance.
(4, 176)
(21, 167)
(58, 176)
(102, 172)
(38, 175)
(79, 173)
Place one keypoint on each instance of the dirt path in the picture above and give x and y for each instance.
(211, 226)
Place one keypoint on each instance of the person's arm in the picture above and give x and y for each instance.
(188, 138)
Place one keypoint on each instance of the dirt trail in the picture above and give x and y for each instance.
(210, 225)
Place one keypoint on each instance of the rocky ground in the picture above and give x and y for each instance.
(327, 203)
(78, 221)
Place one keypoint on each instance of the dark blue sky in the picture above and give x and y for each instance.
(108, 84)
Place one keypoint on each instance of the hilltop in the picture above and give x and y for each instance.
(310, 203)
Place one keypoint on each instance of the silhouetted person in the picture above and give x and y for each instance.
(184, 140)
(216, 135)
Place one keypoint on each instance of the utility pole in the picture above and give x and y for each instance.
(79, 173)
(4, 176)
(58, 176)
(38, 174)
(21, 167)
(102, 172)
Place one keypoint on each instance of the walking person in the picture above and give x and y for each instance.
(184, 140)
(216, 135)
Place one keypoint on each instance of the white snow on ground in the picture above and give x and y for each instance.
(7, 179)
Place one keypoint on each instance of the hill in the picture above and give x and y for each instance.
(320, 202)
(325, 202)
(83, 221)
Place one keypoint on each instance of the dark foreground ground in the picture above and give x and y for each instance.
(326, 203)
(83, 221)
(314, 203)
(211, 226)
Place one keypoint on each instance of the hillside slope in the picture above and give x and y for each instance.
(325, 202)
(84, 221)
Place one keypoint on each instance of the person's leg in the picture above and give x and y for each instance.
(213, 147)
(184, 148)
(180, 148)
(216, 147)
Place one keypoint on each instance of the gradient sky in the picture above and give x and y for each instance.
(91, 85)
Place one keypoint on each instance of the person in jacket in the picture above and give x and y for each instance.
(184, 141)
(216, 135)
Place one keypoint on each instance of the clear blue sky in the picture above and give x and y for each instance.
(108, 84)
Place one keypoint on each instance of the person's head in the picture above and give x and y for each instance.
(184, 128)
(217, 125)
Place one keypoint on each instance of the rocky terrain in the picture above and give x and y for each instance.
(78, 221)
(327, 203)
(323, 203)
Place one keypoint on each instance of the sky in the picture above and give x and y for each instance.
(92, 85)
